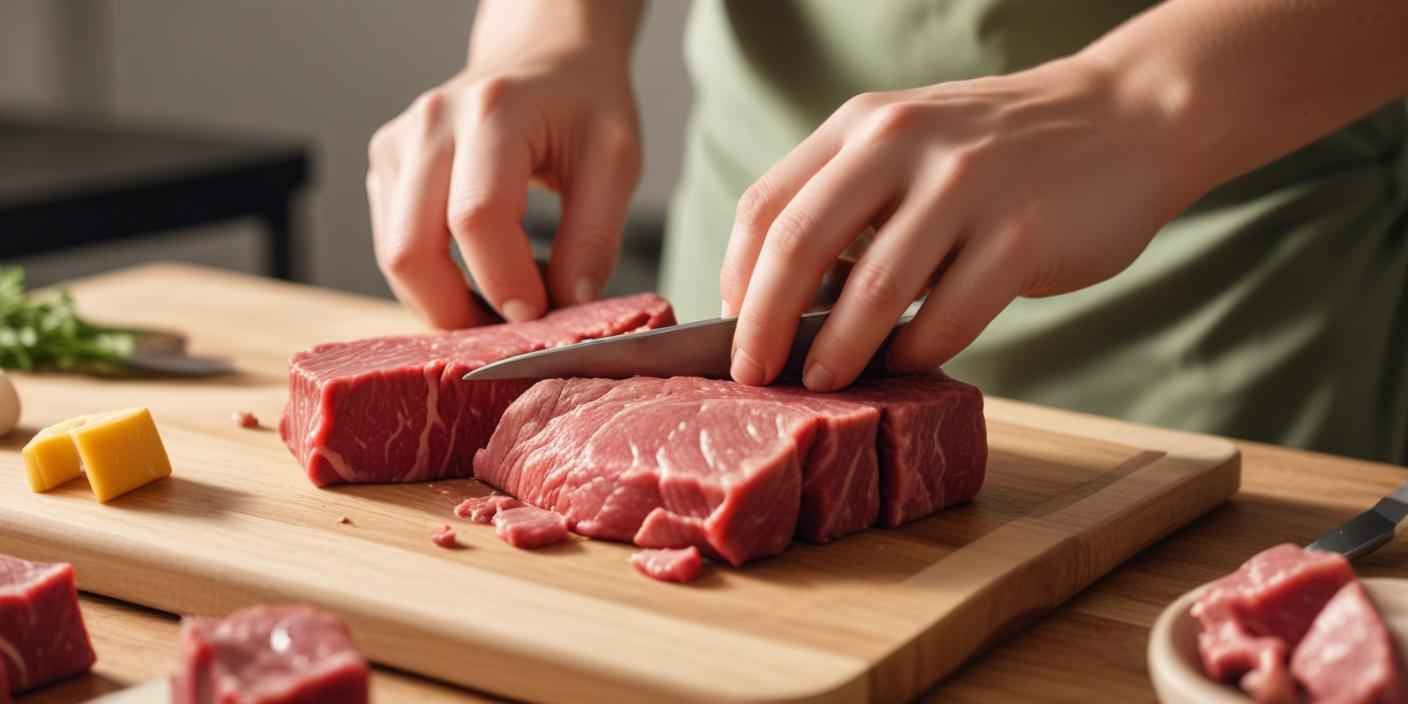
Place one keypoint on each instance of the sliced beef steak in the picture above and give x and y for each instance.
(394, 409)
(736, 471)
(269, 655)
(42, 636)
(933, 443)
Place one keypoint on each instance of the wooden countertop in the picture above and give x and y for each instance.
(1092, 648)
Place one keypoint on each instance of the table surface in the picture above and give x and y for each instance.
(1091, 648)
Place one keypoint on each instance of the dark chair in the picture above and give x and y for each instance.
(66, 183)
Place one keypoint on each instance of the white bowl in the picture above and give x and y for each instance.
(1173, 645)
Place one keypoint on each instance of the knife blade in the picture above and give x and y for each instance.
(692, 349)
(1369, 530)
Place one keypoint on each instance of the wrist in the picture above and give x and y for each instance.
(1162, 99)
(602, 32)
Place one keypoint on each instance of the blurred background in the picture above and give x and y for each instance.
(220, 90)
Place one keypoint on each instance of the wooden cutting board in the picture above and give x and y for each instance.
(878, 616)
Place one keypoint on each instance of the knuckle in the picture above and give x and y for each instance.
(876, 285)
(428, 109)
(788, 234)
(397, 261)
(862, 103)
(488, 96)
(754, 205)
(469, 215)
(380, 146)
(892, 120)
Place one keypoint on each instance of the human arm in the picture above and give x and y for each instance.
(1038, 182)
(545, 96)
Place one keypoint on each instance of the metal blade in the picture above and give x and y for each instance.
(1368, 531)
(693, 349)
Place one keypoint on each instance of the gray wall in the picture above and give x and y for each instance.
(327, 71)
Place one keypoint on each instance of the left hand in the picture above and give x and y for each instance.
(1030, 184)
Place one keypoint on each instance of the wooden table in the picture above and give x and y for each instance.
(1091, 649)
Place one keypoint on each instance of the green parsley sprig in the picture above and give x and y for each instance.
(43, 331)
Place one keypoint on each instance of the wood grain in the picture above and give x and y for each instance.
(875, 617)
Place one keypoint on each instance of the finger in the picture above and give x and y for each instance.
(488, 192)
(802, 243)
(761, 204)
(883, 283)
(983, 279)
(594, 208)
(413, 248)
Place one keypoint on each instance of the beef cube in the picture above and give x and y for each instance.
(42, 636)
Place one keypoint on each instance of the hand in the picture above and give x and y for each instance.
(458, 162)
(1030, 184)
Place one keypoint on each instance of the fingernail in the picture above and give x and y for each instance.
(516, 311)
(746, 370)
(818, 378)
(585, 290)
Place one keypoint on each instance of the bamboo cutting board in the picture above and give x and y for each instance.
(878, 616)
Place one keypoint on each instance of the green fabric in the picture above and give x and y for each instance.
(1274, 309)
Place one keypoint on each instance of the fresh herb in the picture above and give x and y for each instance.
(42, 331)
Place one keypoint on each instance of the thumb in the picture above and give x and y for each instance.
(594, 205)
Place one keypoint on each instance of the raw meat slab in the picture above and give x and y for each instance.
(395, 409)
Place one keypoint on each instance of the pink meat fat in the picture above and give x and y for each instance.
(682, 565)
(530, 527)
(445, 537)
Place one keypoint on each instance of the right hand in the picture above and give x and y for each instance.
(458, 162)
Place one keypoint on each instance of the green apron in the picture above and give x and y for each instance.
(1273, 310)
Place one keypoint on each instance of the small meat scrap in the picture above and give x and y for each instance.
(245, 419)
(445, 537)
(481, 509)
(530, 527)
(345, 521)
(666, 565)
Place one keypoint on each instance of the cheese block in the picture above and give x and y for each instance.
(118, 450)
(121, 451)
(50, 457)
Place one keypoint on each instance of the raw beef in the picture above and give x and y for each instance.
(933, 443)
(529, 527)
(682, 565)
(1253, 618)
(1348, 656)
(394, 409)
(445, 537)
(269, 655)
(734, 470)
(481, 509)
(42, 636)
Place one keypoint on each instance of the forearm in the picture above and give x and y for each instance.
(1238, 84)
(607, 26)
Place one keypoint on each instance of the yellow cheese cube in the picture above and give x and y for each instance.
(50, 457)
(121, 451)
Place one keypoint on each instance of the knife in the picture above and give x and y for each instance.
(1368, 531)
(693, 349)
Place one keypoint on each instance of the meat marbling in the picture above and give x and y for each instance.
(736, 471)
(269, 655)
(42, 636)
(394, 409)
